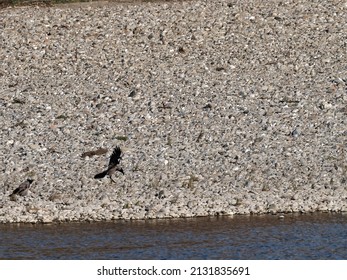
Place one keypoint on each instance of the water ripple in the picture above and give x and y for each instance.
(310, 236)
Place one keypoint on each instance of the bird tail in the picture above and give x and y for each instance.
(101, 175)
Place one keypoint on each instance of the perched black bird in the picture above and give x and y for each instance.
(113, 165)
(23, 188)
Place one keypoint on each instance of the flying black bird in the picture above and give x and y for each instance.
(113, 165)
(23, 188)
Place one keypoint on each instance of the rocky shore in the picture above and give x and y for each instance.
(220, 108)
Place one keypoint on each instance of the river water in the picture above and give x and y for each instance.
(309, 236)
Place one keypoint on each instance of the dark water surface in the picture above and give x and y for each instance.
(309, 236)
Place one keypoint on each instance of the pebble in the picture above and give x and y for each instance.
(220, 108)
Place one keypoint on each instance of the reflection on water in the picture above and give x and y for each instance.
(310, 236)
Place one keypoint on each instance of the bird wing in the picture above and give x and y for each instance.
(23, 186)
(16, 190)
(115, 157)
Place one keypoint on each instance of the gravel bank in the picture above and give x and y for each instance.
(221, 108)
